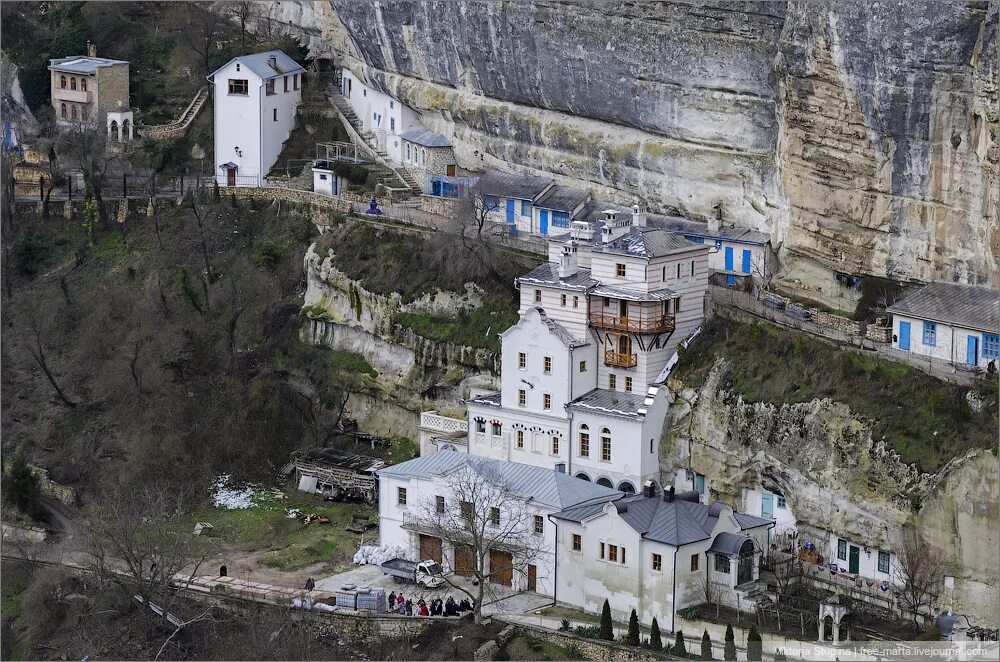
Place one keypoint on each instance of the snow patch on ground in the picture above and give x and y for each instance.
(230, 496)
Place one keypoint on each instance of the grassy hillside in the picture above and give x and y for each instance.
(926, 420)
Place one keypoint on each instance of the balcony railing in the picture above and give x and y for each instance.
(431, 420)
(620, 360)
(67, 94)
(632, 323)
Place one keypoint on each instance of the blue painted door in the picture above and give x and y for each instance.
(972, 351)
(767, 505)
(510, 212)
(904, 335)
(730, 280)
(543, 220)
(746, 261)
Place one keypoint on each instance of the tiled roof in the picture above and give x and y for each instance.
(258, 63)
(425, 137)
(969, 306)
(547, 273)
(512, 185)
(647, 242)
(612, 403)
(541, 485)
(562, 198)
(82, 64)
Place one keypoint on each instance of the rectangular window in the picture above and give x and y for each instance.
(722, 564)
(481, 426)
(495, 516)
(692, 267)
(664, 278)
(401, 496)
(612, 381)
(538, 296)
(239, 86)
(694, 563)
(439, 504)
(607, 302)
(842, 549)
(657, 563)
(584, 444)
(620, 270)
(520, 438)
(286, 83)
(275, 112)
(605, 447)
(623, 556)
(930, 333)
(562, 299)
(678, 271)
(677, 305)
(602, 550)
(613, 553)
(576, 302)
(577, 542)
(522, 397)
(628, 384)
(269, 87)
(465, 508)
(525, 208)
(522, 360)
(539, 525)
(295, 81)
(496, 429)
(781, 502)
(583, 366)
(546, 401)
(883, 562)
(322, 178)
(555, 445)
(991, 346)
(547, 365)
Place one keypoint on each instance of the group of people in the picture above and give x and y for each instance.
(399, 604)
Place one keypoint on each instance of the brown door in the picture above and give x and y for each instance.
(231, 177)
(450, 170)
(464, 560)
(532, 577)
(501, 568)
(430, 548)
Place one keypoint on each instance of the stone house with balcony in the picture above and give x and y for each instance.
(92, 90)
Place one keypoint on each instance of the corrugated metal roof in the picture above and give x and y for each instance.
(340, 459)
(491, 399)
(612, 403)
(547, 273)
(425, 137)
(83, 64)
(969, 306)
(647, 242)
(258, 63)
(728, 544)
(594, 214)
(630, 294)
(546, 486)
(512, 185)
(562, 198)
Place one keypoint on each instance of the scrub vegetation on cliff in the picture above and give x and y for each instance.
(926, 420)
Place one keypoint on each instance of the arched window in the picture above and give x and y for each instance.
(62, 110)
(72, 83)
(83, 84)
(407, 151)
(84, 112)
(62, 82)
(626, 487)
(583, 476)
(125, 128)
(423, 156)
(584, 441)
(113, 131)
(604, 482)
(605, 445)
(72, 111)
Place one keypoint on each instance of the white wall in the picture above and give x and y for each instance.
(867, 561)
(753, 504)
(277, 120)
(950, 345)
(523, 222)
(393, 117)
(332, 184)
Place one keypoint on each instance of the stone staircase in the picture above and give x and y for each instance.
(179, 126)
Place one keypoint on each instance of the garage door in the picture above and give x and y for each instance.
(464, 560)
(501, 568)
(430, 548)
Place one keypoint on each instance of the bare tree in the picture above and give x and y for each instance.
(919, 569)
(486, 523)
(86, 146)
(37, 350)
(201, 26)
(243, 12)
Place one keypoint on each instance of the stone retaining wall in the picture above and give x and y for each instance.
(590, 649)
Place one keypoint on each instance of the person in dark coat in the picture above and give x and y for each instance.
(450, 607)
(409, 607)
(392, 600)
(310, 584)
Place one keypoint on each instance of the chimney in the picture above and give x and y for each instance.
(581, 230)
(638, 215)
(272, 61)
(91, 49)
(668, 494)
(715, 222)
(649, 489)
(568, 263)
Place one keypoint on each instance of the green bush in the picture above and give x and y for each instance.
(754, 644)
(607, 629)
(564, 625)
(655, 642)
(269, 254)
(33, 252)
(589, 631)
(679, 648)
(353, 173)
(21, 488)
(633, 629)
(729, 653)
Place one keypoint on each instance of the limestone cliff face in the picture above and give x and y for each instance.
(414, 374)
(835, 477)
(863, 136)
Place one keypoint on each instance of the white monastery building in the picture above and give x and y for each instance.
(256, 98)
(382, 115)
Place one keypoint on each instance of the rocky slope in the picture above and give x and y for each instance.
(835, 477)
(863, 136)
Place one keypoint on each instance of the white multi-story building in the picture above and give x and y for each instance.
(582, 372)
(380, 113)
(256, 98)
(413, 492)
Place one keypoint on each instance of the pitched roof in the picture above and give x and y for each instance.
(547, 273)
(611, 403)
(562, 198)
(540, 485)
(647, 242)
(969, 306)
(83, 64)
(557, 329)
(512, 185)
(491, 399)
(620, 292)
(594, 213)
(425, 137)
(258, 63)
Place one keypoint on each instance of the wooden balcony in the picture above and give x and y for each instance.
(661, 323)
(619, 360)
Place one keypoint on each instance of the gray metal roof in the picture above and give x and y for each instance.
(562, 198)
(82, 64)
(611, 403)
(728, 544)
(512, 185)
(340, 459)
(676, 522)
(425, 137)
(619, 292)
(540, 485)
(558, 330)
(547, 273)
(258, 63)
(594, 214)
(969, 306)
(491, 399)
(647, 242)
